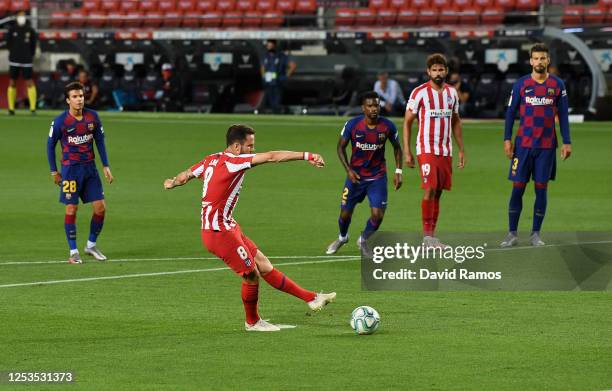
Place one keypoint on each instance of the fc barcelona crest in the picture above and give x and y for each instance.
(90, 126)
(551, 91)
(381, 136)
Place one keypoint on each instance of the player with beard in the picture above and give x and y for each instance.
(539, 97)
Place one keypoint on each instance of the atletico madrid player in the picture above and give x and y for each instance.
(222, 175)
(539, 97)
(436, 105)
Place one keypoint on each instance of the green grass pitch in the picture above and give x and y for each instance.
(185, 330)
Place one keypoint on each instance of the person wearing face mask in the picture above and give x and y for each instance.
(21, 41)
(276, 69)
(437, 106)
(463, 90)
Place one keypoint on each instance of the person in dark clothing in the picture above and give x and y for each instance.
(21, 41)
(276, 68)
(90, 89)
(171, 99)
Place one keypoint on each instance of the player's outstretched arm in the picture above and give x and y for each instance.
(287, 156)
(179, 180)
(409, 118)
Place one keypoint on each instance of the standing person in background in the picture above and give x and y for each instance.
(392, 100)
(463, 91)
(90, 89)
(21, 41)
(276, 69)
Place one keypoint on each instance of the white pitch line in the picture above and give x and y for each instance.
(52, 282)
(8, 263)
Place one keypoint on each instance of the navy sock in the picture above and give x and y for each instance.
(344, 226)
(97, 222)
(70, 227)
(516, 206)
(539, 207)
(371, 227)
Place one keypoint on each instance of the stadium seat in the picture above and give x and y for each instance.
(285, 6)
(595, 15)
(272, 19)
(153, 19)
(232, 19)
(572, 15)
(265, 6)
(492, 16)
(483, 4)
(345, 16)
(147, 5)
(109, 5)
(406, 17)
(20, 5)
(97, 18)
(252, 19)
(77, 18)
(400, 4)
(365, 16)
(449, 15)
(441, 4)
(225, 5)
(91, 5)
(5, 6)
(427, 16)
(134, 18)
(418, 4)
(58, 19)
(166, 6)
(386, 17)
(191, 18)
(306, 7)
(211, 19)
(486, 93)
(378, 4)
(115, 18)
(128, 6)
(527, 5)
(507, 5)
(185, 5)
(245, 5)
(172, 18)
(469, 16)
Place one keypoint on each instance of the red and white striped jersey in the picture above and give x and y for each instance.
(222, 174)
(435, 110)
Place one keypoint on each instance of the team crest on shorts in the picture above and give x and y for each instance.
(90, 126)
(68, 196)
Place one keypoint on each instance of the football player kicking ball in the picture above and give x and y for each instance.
(222, 175)
(437, 106)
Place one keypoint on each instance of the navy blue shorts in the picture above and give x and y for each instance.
(537, 163)
(353, 194)
(80, 181)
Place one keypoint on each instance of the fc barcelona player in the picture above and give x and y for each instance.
(76, 129)
(366, 171)
(539, 97)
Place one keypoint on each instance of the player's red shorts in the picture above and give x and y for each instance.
(233, 247)
(436, 171)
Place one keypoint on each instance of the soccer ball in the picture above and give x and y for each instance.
(365, 320)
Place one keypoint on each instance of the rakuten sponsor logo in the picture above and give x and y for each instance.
(76, 140)
(368, 146)
(536, 101)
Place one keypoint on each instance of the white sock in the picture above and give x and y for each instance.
(72, 252)
(91, 244)
(343, 238)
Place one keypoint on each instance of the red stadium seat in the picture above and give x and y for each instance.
(605, 3)
(527, 5)
(166, 6)
(5, 6)
(365, 17)
(386, 17)
(252, 19)
(20, 5)
(285, 6)
(507, 5)
(572, 15)
(91, 5)
(109, 5)
(211, 19)
(484, 4)
(147, 5)
(77, 18)
(469, 16)
(96, 19)
(407, 17)
(440, 4)
(272, 19)
(417, 4)
(245, 5)
(153, 19)
(232, 19)
(128, 6)
(58, 19)
(306, 7)
(185, 5)
(205, 6)
(400, 4)
(464, 3)
(449, 15)
(173, 19)
(265, 6)
(345, 16)
(225, 5)
(134, 18)
(427, 16)
(115, 18)
(493, 15)
(595, 15)
(378, 4)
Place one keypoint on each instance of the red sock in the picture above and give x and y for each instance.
(427, 210)
(435, 214)
(250, 294)
(283, 283)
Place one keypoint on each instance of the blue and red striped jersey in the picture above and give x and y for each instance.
(368, 156)
(76, 138)
(538, 104)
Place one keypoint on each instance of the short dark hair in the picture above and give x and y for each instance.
(239, 133)
(72, 86)
(436, 59)
(369, 95)
(537, 48)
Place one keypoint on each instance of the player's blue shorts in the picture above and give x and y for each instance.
(80, 181)
(537, 163)
(376, 190)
